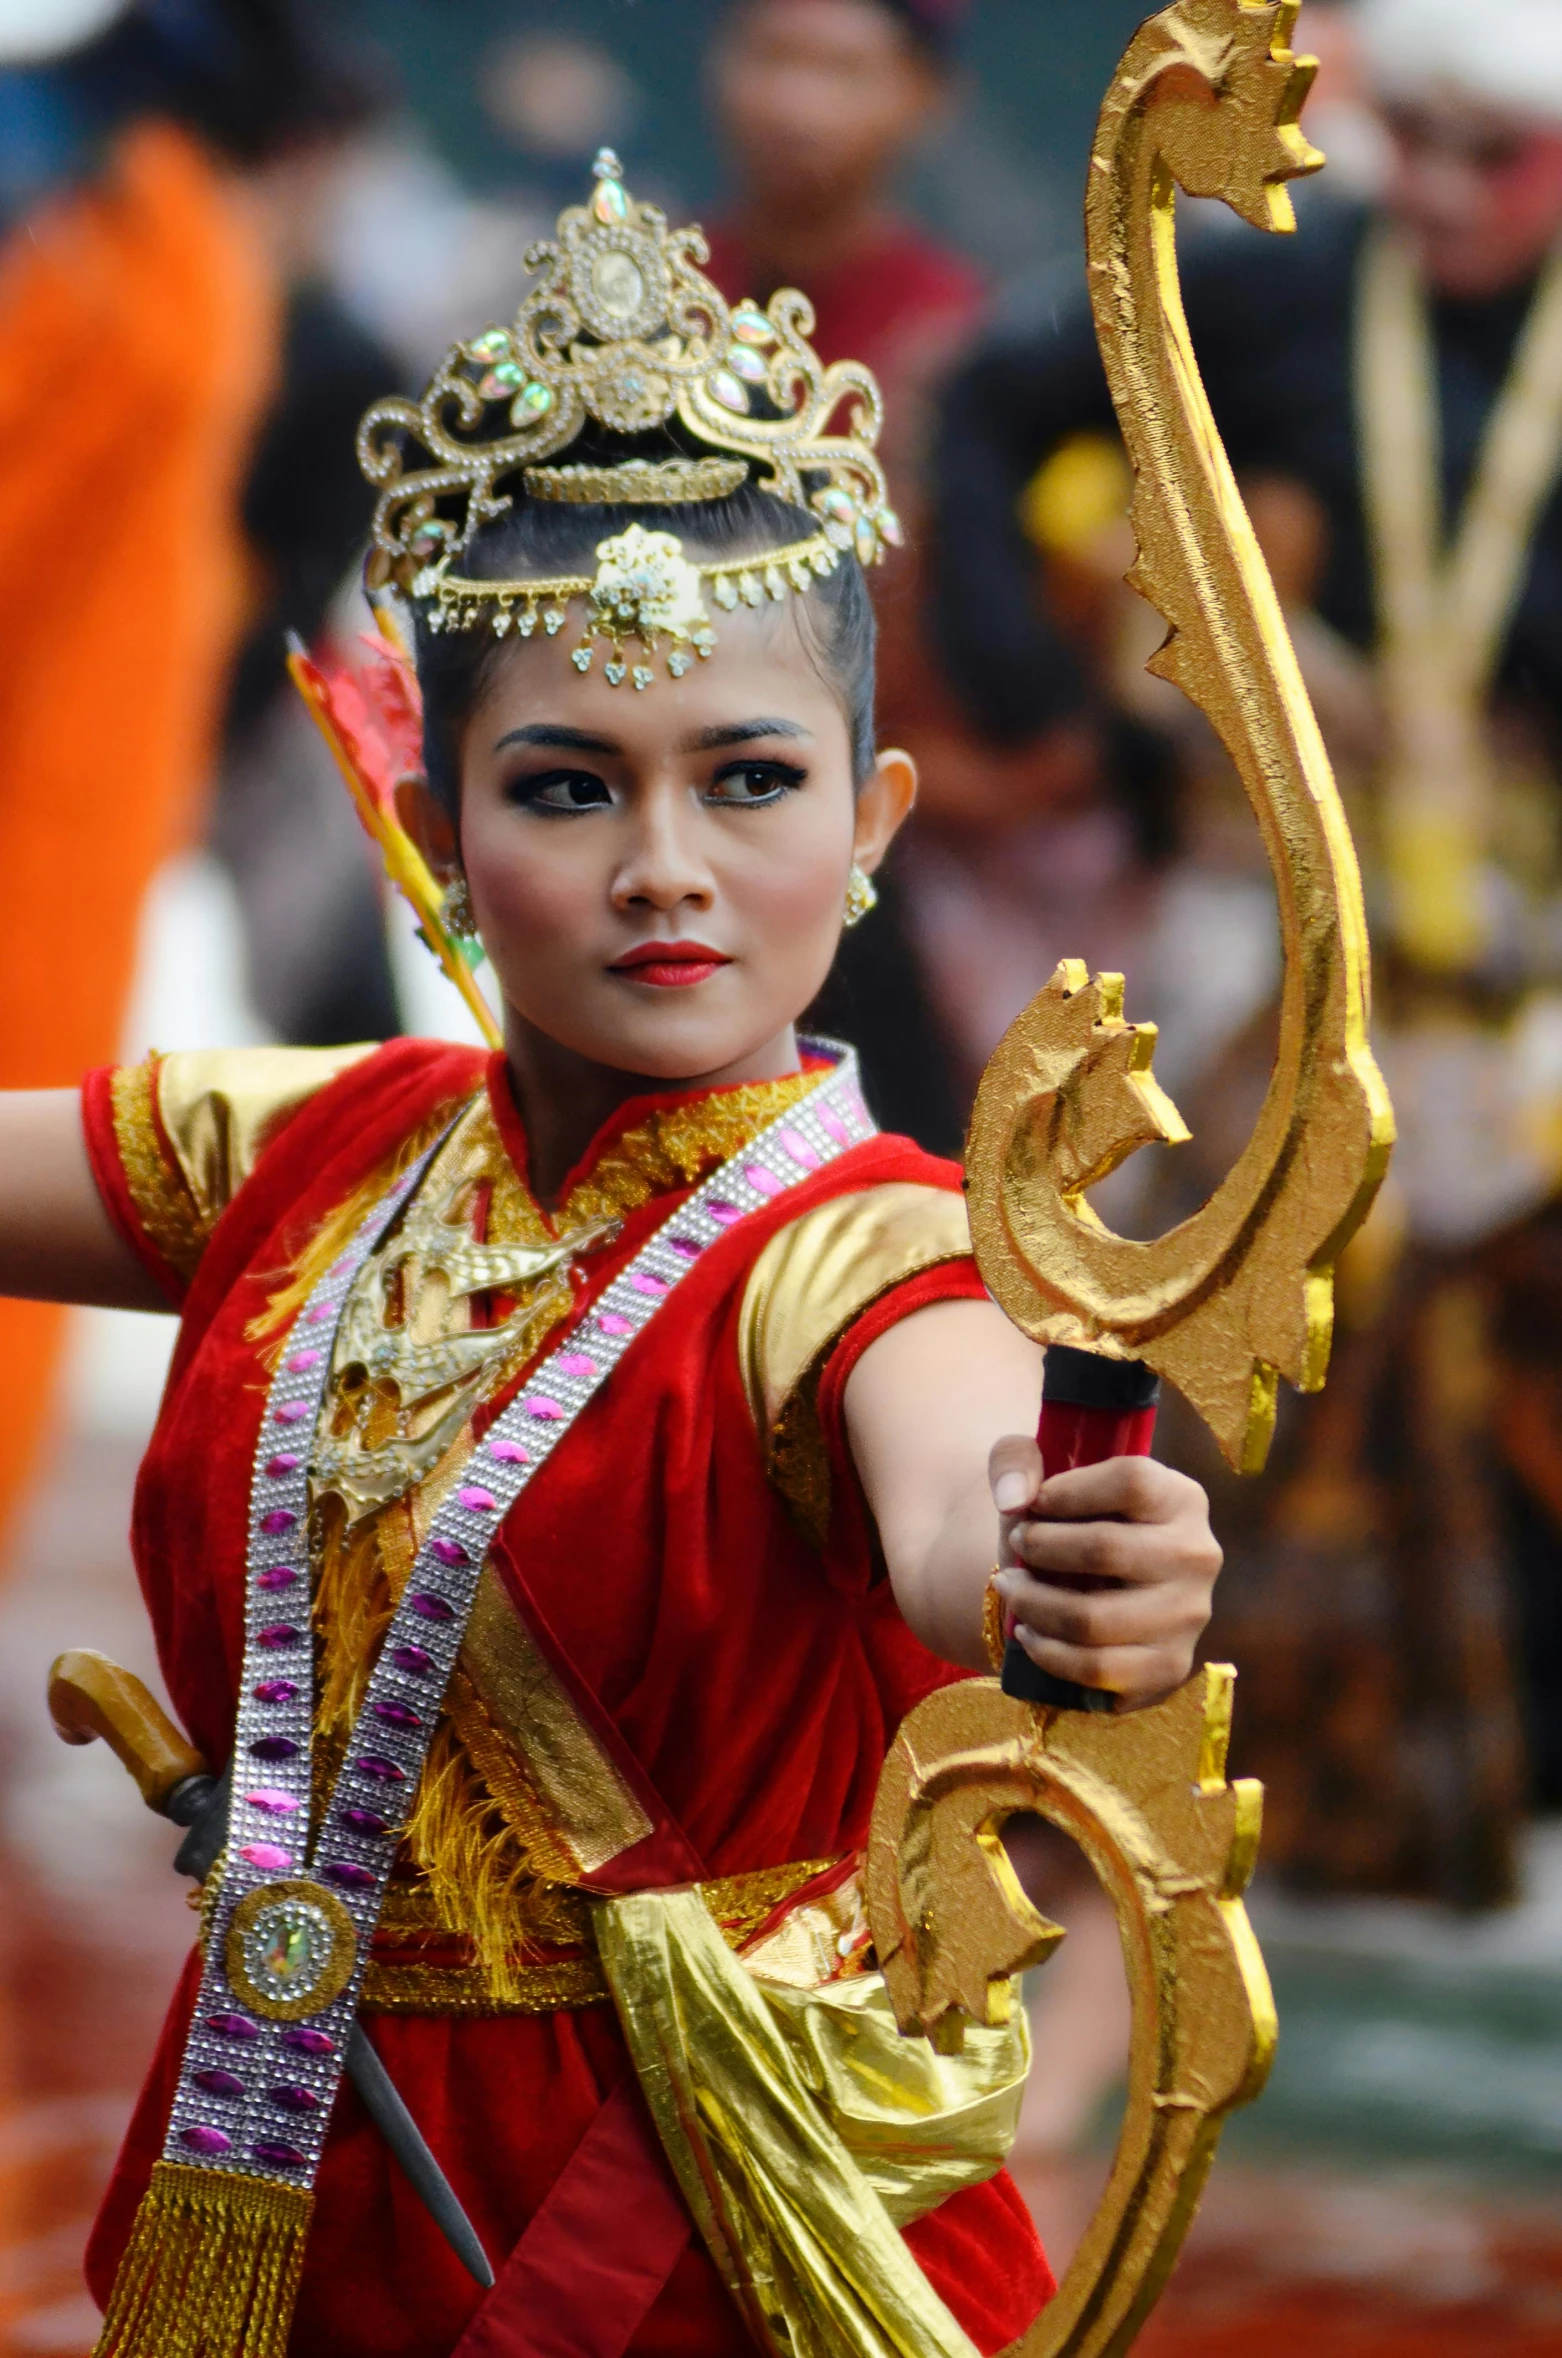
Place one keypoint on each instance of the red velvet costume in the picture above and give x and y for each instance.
(752, 1678)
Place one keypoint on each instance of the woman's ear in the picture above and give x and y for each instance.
(883, 806)
(430, 826)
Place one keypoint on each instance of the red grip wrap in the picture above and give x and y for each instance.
(1070, 1435)
(1092, 1408)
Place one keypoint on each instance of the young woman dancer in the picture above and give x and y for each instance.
(575, 1463)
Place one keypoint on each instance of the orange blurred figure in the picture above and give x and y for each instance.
(136, 345)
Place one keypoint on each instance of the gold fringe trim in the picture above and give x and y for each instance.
(164, 1205)
(211, 2269)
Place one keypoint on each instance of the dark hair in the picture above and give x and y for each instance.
(253, 77)
(537, 538)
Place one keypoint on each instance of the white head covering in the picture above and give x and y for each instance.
(1506, 53)
(31, 30)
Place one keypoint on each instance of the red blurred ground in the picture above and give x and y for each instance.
(1307, 2261)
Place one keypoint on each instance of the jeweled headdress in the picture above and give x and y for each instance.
(622, 331)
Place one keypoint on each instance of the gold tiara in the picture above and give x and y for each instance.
(623, 330)
(638, 483)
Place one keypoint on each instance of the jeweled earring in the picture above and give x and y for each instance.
(460, 917)
(861, 895)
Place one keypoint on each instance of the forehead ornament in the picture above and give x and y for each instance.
(622, 332)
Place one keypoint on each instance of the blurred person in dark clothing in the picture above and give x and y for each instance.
(310, 898)
(819, 104)
(1392, 379)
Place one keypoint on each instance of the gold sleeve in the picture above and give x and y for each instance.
(811, 1283)
(191, 1127)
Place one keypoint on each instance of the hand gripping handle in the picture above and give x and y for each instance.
(1091, 1409)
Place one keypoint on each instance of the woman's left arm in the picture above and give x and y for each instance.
(1115, 1564)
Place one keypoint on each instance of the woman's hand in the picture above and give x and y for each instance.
(1112, 1569)
(1112, 1565)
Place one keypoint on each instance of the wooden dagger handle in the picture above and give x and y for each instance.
(91, 1697)
(1091, 1409)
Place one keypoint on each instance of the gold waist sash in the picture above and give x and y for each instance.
(420, 1966)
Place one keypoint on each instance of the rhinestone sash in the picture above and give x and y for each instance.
(290, 1935)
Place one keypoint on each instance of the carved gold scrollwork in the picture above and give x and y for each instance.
(1207, 99)
(1147, 1801)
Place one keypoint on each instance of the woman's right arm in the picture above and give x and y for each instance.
(57, 1243)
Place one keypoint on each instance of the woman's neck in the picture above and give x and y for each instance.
(565, 1098)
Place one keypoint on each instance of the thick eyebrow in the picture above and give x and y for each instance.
(743, 733)
(562, 739)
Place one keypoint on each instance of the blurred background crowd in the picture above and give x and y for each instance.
(225, 227)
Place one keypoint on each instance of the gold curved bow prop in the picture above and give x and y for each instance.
(1208, 99)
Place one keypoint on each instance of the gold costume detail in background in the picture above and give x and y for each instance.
(1242, 1293)
(1446, 599)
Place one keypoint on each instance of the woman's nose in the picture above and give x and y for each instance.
(664, 868)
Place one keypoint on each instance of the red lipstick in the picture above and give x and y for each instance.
(669, 966)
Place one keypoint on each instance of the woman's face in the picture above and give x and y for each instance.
(659, 878)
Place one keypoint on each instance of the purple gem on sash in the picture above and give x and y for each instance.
(413, 1660)
(475, 1499)
(429, 1607)
(384, 1772)
(688, 1248)
(302, 1361)
(724, 1214)
(644, 1283)
(611, 1324)
(350, 1876)
(279, 1520)
(546, 1411)
(233, 2026)
(805, 1156)
(292, 1412)
(274, 1747)
(449, 1551)
(320, 1313)
(308, 2042)
(398, 1715)
(220, 2083)
(272, 1802)
(508, 1453)
(283, 1576)
(762, 1181)
(575, 1363)
(291, 2098)
(279, 1636)
(286, 1461)
(278, 2156)
(205, 2139)
(274, 1690)
(363, 1821)
(267, 1857)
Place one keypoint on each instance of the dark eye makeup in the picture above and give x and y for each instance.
(748, 784)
